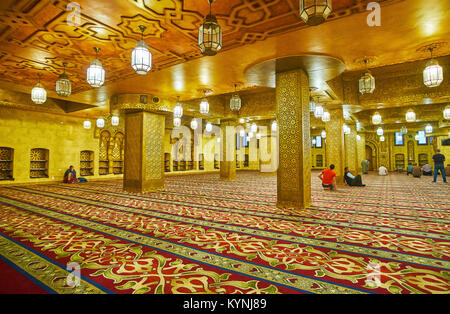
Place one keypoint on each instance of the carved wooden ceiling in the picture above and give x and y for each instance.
(36, 38)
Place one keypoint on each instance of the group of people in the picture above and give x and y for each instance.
(328, 176)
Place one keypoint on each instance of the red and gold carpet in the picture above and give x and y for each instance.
(202, 235)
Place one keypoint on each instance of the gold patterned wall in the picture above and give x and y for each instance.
(153, 146)
(351, 154)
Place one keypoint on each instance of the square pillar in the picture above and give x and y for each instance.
(351, 150)
(335, 144)
(228, 151)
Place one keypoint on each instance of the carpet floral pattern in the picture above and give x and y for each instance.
(202, 235)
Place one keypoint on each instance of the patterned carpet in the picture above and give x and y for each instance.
(207, 236)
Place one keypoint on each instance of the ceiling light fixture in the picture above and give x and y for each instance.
(38, 93)
(141, 57)
(95, 72)
(63, 85)
(410, 116)
(178, 109)
(210, 34)
(376, 118)
(367, 81)
(433, 74)
(315, 12)
(235, 101)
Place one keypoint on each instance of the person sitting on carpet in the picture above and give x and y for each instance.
(382, 171)
(416, 171)
(427, 170)
(70, 176)
(328, 178)
(351, 180)
(409, 169)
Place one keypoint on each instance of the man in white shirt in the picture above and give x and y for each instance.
(352, 180)
(427, 170)
(382, 171)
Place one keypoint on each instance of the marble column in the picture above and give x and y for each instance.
(144, 152)
(335, 144)
(228, 151)
(294, 169)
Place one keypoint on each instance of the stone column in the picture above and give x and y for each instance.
(294, 170)
(144, 152)
(335, 144)
(228, 151)
(351, 150)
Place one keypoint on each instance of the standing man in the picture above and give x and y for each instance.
(439, 165)
(365, 166)
(328, 177)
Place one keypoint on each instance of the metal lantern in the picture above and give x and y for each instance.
(366, 82)
(433, 74)
(429, 129)
(194, 124)
(204, 106)
(114, 121)
(358, 126)
(176, 122)
(100, 123)
(208, 127)
(417, 137)
(447, 113)
(318, 112)
(376, 118)
(312, 105)
(38, 93)
(258, 136)
(326, 116)
(178, 110)
(410, 116)
(250, 135)
(235, 101)
(323, 134)
(87, 124)
(210, 34)
(274, 126)
(381, 138)
(95, 72)
(380, 132)
(315, 12)
(141, 57)
(63, 85)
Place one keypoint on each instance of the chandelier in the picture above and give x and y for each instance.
(194, 124)
(429, 129)
(235, 101)
(178, 110)
(376, 118)
(87, 124)
(380, 132)
(95, 72)
(141, 57)
(318, 112)
(314, 12)
(366, 82)
(433, 74)
(63, 86)
(323, 134)
(410, 116)
(204, 106)
(208, 127)
(38, 93)
(274, 126)
(381, 138)
(114, 121)
(210, 34)
(404, 130)
(326, 116)
(176, 122)
(447, 113)
(100, 123)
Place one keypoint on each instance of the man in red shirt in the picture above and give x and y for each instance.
(328, 178)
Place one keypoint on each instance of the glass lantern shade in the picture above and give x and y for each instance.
(210, 36)
(367, 83)
(274, 126)
(417, 137)
(208, 127)
(258, 136)
(178, 111)
(250, 134)
(326, 116)
(314, 142)
(39, 94)
(381, 138)
(194, 124)
(318, 112)
(447, 113)
(87, 124)
(96, 74)
(114, 121)
(100, 123)
(410, 116)
(323, 134)
(315, 12)
(428, 129)
(204, 106)
(141, 58)
(380, 132)
(433, 74)
(63, 86)
(235, 103)
(176, 122)
(376, 118)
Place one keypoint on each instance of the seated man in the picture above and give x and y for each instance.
(409, 169)
(328, 178)
(382, 171)
(351, 180)
(70, 176)
(427, 170)
(416, 171)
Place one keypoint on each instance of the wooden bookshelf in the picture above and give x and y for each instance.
(216, 162)
(103, 167)
(166, 162)
(86, 163)
(39, 163)
(423, 159)
(117, 166)
(319, 161)
(399, 161)
(201, 162)
(6, 163)
(175, 165)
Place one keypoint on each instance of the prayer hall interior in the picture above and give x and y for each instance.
(197, 131)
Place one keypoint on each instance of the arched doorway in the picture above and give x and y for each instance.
(371, 156)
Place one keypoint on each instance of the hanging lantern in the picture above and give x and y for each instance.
(204, 106)
(381, 138)
(178, 110)
(176, 122)
(241, 120)
(274, 126)
(194, 124)
(314, 142)
(100, 123)
(326, 116)
(380, 132)
(366, 82)
(210, 34)
(38, 93)
(433, 74)
(404, 130)
(87, 124)
(218, 140)
(114, 121)
(410, 116)
(254, 128)
(323, 134)
(208, 127)
(141, 57)
(318, 112)
(95, 72)
(447, 113)
(63, 85)
(346, 115)
(358, 126)
(315, 12)
(312, 105)
(429, 129)
(376, 118)
(235, 101)
(250, 135)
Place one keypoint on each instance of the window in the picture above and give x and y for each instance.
(422, 138)
(319, 141)
(312, 142)
(399, 140)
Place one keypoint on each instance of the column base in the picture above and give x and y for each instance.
(292, 205)
(146, 187)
